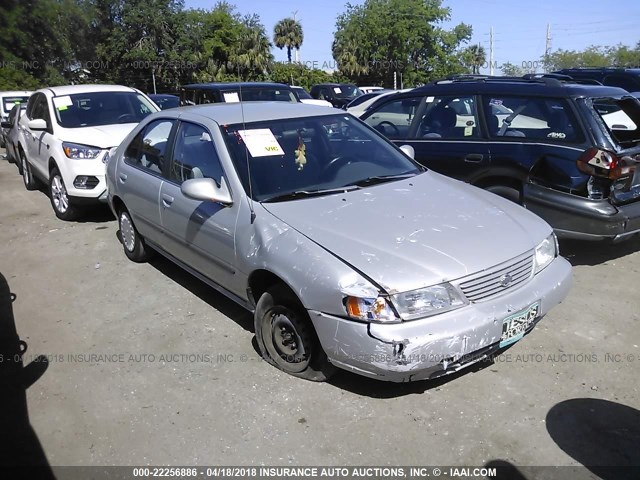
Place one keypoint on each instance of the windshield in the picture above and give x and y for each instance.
(165, 101)
(101, 108)
(262, 94)
(303, 94)
(9, 102)
(346, 91)
(312, 154)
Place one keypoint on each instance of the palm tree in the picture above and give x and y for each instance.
(478, 57)
(288, 33)
(254, 55)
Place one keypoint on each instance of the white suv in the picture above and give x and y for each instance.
(66, 134)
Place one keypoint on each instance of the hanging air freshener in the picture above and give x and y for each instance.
(301, 158)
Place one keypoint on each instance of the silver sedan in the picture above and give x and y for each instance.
(348, 252)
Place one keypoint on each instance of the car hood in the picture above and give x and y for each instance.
(102, 136)
(416, 232)
(315, 101)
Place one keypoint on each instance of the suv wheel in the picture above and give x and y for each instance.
(286, 337)
(59, 198)
(30, 182)
(134, 246)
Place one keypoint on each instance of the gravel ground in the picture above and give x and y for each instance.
(175, 378)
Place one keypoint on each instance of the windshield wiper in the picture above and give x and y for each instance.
(365, 182)
(309, 193)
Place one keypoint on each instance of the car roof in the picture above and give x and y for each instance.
(236, 85)
(635, 71)
(239, 112)
(504, 86)
(161, 95)
(74, 89)
(332, 84)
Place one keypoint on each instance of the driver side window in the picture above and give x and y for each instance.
(393, 119)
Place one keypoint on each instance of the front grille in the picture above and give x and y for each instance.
(495, 281)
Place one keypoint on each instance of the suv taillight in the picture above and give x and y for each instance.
(601, 163)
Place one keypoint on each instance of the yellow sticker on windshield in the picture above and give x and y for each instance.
(468, 131)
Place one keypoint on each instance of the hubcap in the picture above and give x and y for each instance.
(286, 340)
(127, 232)
(59, 194)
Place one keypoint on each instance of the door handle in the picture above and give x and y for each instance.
(167, 200)
(474, 157)
(123, 177)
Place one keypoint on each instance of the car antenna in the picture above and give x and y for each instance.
(246, 151)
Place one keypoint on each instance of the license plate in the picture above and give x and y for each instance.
(514, 326)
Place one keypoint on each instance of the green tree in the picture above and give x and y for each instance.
(475, 57)
(288, 33)
(297, 74)
(253, 51)
(511, 70)
(381, 39)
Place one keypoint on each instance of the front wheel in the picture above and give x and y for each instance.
(134, 245)
(286, 337)
(59, 197)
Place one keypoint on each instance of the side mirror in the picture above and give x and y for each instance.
(37, 124)
(408, 151)
(6, 124)
(206, 189)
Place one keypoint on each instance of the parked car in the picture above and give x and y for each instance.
(368, 89)
(338, 94)
(626, 78)
(7, 101)
(547, 144)
(10, 126)
(348, 252)
(305, 97)
(165, 100)
(66, 134)
(360, 104)
(204, 93)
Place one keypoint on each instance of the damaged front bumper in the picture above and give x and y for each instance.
(438, 345)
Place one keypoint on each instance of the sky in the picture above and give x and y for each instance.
(519, 27)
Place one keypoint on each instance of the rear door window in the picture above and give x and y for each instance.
(531, 118)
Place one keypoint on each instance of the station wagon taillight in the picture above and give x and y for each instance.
(602, 163)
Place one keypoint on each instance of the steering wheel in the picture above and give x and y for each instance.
(383, 124)
(126, 116)
(337, 163)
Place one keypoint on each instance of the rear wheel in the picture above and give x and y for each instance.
(60, 202)
(30, 182)
(286, 337)
(134, 245)
(508, 192)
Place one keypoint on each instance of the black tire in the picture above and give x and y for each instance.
(30, 181)
(60, 201)
(510, 193)
(133, 243)
(286, 337)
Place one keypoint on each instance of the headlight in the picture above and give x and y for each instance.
(546, 252)
(80, 152)
(428, 301)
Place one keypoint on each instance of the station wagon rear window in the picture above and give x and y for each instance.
(622, 118)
